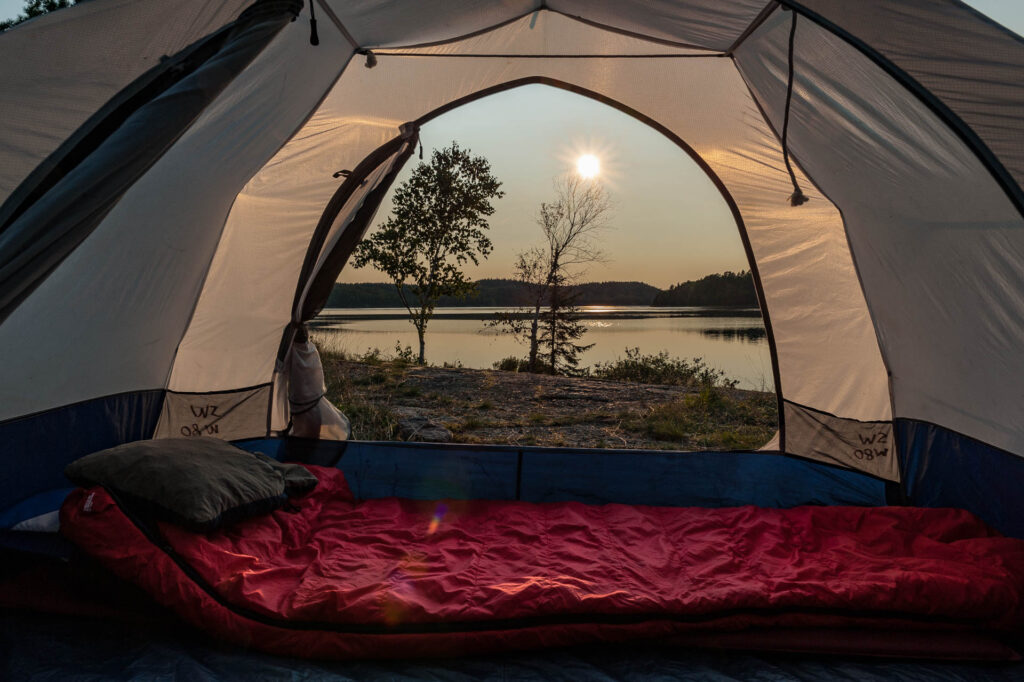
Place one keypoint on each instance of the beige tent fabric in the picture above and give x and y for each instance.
(974, 66)
(59, 69)
(828, 355)
(548, 34)
(110, 317)
(938, 245)
(711, 24)
(705, 24)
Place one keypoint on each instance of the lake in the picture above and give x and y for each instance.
(728, 339)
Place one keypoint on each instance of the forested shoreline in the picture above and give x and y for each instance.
(728, 289)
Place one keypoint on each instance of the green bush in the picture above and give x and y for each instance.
(659, 368)
(511, 364)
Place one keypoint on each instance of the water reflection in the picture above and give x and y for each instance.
(748, 334)
(732, 340)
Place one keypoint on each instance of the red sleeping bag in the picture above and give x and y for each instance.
(341, 578)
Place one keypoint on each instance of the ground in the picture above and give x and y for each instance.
(385, 399)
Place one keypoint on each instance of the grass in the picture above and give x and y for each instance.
(371, 419)
(709, 419)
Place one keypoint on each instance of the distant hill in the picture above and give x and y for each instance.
(492, 293)
(725, 289)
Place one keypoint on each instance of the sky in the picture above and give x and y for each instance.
(657, 191)
(660, 197)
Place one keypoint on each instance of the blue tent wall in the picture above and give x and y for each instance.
(537, 474)
(942, 468)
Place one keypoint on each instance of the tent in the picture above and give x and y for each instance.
(174, 208)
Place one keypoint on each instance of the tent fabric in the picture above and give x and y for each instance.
(945, 468)
(936, 241)
(56, 84)
(58, 437)
(937, 44)
(148, 279)
(425, 471)
(895, 293)
(42, 236)
(340, 578)
(827, 353)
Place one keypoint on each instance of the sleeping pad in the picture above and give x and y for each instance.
(341, 578)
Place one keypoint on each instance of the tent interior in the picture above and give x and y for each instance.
(173, 215)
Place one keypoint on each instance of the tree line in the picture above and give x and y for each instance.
(35, 8)
(730, 289)
(727, 289)
(491, 293)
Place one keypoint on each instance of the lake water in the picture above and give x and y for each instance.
(731, 340)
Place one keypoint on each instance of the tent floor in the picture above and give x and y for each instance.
(46, 646)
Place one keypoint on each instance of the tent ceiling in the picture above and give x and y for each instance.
(707, 24)
(548, 33)
(54, 90)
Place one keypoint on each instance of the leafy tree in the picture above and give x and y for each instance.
(437, 226)
(35, 8)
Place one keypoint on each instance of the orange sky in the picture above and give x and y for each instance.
(669, 222)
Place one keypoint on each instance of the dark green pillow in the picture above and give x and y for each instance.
(199, 483)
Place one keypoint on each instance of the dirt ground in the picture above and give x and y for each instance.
(395, 401)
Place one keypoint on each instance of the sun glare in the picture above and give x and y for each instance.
(588, 166)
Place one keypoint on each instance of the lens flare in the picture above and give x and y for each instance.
(435, 520)
(588, 166)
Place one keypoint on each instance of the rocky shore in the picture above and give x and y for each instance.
(395, 400)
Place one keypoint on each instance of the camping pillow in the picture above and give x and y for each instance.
(199, 483)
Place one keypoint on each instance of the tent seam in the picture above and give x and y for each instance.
(709, 55)
(762, 17)
(543, 7)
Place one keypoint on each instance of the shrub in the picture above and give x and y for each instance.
(404, 356)
(511, 364)
(659, 368)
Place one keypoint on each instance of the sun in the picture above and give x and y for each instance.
(588, 166)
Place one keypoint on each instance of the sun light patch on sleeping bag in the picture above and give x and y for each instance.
(392, 577)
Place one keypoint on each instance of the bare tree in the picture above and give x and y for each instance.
(530, 274)
(570, 226)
